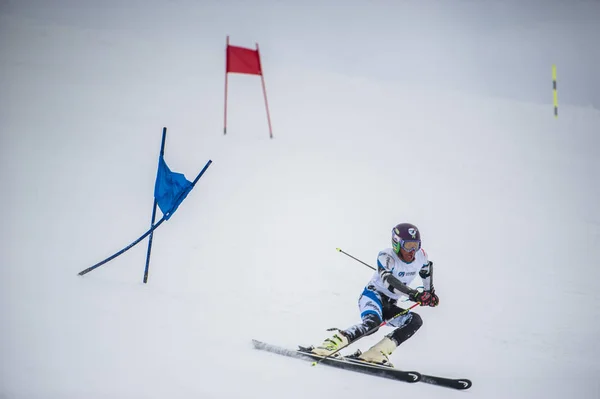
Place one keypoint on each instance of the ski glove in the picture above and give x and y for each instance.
(427, 298)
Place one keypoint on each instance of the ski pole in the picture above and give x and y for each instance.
(347, 254)
(405, 311)
(431, 277)
(371, 267)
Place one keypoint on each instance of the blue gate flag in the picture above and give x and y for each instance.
(170, 188)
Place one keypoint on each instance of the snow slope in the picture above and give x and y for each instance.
(505, 194)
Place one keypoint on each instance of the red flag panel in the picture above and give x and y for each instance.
(243, 60)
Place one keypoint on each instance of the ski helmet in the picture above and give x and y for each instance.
(407, 237)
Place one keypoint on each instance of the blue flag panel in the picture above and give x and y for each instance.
(170, 189)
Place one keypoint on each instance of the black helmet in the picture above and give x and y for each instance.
(407, 237)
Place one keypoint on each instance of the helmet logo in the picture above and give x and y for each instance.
(412, 232)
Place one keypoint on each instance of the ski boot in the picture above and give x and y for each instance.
(378, 353)
(330, 345)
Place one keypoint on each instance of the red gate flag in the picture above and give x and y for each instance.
(246, 61)
(243, 60)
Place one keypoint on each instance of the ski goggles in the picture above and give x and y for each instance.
(408, 246)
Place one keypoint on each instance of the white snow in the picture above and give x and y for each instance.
(376, 121)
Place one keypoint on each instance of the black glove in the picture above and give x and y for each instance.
(426, 298)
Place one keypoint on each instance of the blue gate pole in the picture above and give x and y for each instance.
(162, 153)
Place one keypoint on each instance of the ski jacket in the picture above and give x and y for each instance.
(393, 275)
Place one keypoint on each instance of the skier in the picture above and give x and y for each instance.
(396, 269)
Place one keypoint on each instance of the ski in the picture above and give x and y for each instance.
(352, 363)
(456, 383)
(340, 362)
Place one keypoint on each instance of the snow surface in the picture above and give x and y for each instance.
(376, 121)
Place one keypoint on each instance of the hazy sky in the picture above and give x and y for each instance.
(445, 43)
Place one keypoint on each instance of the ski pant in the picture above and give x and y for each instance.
(374, 309)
